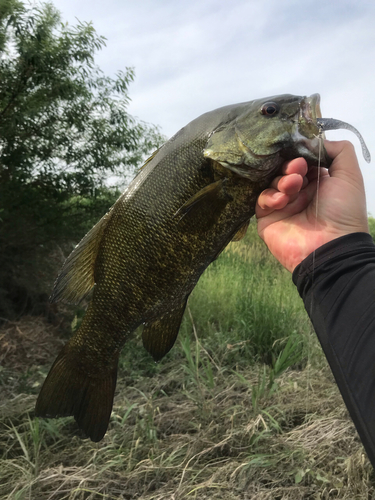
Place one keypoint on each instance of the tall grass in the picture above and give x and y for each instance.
(245, 305)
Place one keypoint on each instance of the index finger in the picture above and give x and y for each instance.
(296, 166)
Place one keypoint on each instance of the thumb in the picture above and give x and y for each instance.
(345, 163)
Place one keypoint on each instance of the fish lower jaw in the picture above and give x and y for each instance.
(309, 149)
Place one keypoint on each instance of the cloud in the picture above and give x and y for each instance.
(190, 57)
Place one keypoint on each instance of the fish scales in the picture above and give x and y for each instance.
(144, 257)
(165, 254)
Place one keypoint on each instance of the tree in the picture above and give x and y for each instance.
(64, 131)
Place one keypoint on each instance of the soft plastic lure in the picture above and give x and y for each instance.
(333, 124)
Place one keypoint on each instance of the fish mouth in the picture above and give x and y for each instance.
(310, 109)
(309, 130)
(308, 133)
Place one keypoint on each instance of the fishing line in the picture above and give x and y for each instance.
(320, 139)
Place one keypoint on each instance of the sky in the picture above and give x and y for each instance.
(193, 56)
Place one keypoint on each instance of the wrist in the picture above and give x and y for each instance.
(351, 244)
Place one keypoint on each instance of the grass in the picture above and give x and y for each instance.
(247, 300)
(243, 407)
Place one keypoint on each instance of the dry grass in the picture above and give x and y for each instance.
(28, 342)
(25, 346)
(179, 433)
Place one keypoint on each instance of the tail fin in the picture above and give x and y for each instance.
(68, 390)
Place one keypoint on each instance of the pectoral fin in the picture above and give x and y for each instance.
(211, 200)
(160, 335)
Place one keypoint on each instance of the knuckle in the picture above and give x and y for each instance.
(348, 145)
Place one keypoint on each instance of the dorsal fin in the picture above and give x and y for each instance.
(150, 158)
(76, 277)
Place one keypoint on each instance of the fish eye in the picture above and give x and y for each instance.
(269, 109)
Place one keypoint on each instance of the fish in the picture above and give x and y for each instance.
(142, 260)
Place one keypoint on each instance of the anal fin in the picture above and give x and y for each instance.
(160, 335)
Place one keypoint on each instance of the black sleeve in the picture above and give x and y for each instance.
(337, 285)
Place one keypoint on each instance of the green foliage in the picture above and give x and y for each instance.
(266, 385)
(64, 131)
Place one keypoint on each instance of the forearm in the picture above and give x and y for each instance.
(338, 289)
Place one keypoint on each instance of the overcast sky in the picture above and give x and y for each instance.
(194, 56)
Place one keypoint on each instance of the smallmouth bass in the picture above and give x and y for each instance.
(144, 257)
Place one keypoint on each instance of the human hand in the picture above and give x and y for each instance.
(294, 219)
